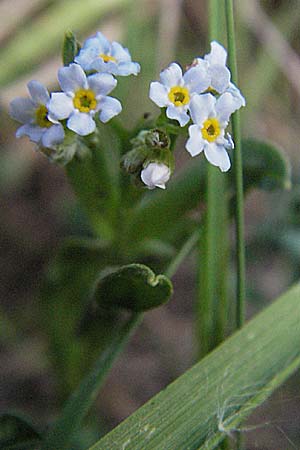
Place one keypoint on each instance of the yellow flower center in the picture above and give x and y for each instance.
(41, 118)
(179, 96)
(85, 100)
(107, 58)
(211, 129)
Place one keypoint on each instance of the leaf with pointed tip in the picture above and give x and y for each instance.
(134, 287)
(17, 434)
(70, 48)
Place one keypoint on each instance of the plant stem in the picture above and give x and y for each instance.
(213, 250)
(182, 254)
(239, 213)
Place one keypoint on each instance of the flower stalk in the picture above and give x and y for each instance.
(238, 171)
(213, 250)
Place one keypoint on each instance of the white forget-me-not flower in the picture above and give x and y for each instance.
(219, 73)
(101, 55)
(211, 116)
(82, 98)
(175, 91)
(38, 124)
(155, 175)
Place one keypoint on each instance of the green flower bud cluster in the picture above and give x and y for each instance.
(150, 149)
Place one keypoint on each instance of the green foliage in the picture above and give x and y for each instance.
(70, 48)
(17, 434)
(160, 214)
(65, 296)
(265, 166)
(210, 400)
(95, 180)
(134, 287)
(61, 434)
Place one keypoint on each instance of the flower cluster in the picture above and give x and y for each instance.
(85, 85)
(205, 95)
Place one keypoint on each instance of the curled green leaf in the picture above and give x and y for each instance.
(134, 287)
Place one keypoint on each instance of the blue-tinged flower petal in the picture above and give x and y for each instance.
(197, 79)
(120, 53)
(86, 57)
(235, 92)
(179, 114)
(128, 68)
(109, 107)
(172, 76)
(195, 143)
(220, 78)
(102, 83)
(103, 42)
(201, 107)
(72, 78)
(228, 144)
(104, 67)
(38, 92)
(22, 109)
(158, 94)
(217, 55)
(81, 123)
(98, 42)
(60, 105)
(34, 132)
(226, 105)
(53, 136)
(217, 156)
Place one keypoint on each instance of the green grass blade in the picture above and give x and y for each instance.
(212, 398)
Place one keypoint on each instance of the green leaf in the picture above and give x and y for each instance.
(264, 166)
(95, 180)
(65, 295)
(70, 48)
(210, 400)
(61, 434)
(134, 287)
(161, 212)
(17, 434)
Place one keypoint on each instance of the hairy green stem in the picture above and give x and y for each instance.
(239, 213)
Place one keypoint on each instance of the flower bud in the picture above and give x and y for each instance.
(151, 161)
(155, 175)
